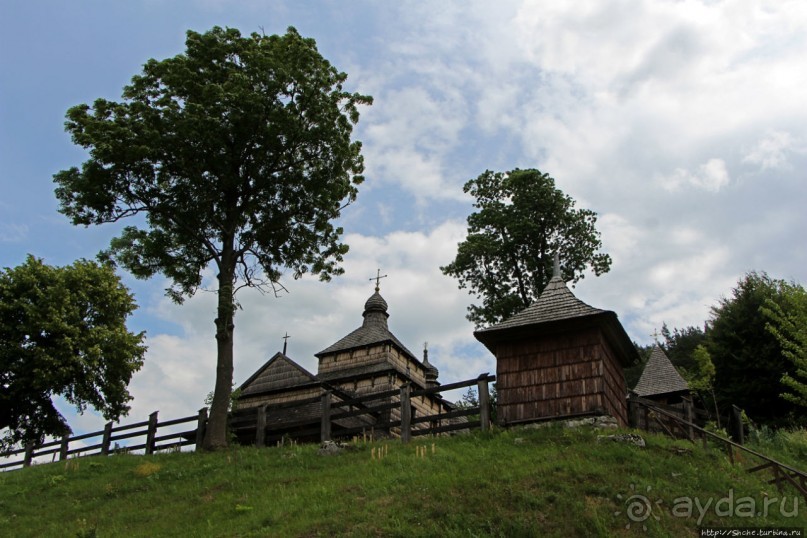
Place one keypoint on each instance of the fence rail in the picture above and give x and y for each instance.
(672, 422)
(252, 424)
(111, 433)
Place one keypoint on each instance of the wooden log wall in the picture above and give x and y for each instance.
(383, 353)
(559, 375)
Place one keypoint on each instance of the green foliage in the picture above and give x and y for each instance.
(522, 219)
(748, 359)
(703, 375)
(63, 332)
(679, 345)
(238, 153)
(788, 324)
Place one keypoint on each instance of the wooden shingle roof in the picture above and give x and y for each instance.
(556, 303)
(279, 372)
(374, 330)
(660, 376)
(556, 310)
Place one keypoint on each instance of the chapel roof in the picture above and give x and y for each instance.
(555, 310)
(660, 376)
(374, 330)
(279, 372)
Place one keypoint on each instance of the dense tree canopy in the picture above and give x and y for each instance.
(63, 332)
(788, 324)
(680, 344)
(748, 359)
(238, 153)
(522, 219)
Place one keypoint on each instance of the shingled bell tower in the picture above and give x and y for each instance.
(559, 358)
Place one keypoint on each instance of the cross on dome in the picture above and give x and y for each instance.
(377, 279)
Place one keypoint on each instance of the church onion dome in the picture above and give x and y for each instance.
(375, 303)
(431, 371)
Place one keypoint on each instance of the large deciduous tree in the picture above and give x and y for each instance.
(63, 333)
(522, 219)
(238, 154)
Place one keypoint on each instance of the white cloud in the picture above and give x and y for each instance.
(711, 177)
(771, 152)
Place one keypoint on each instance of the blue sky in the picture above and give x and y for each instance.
(682, 124)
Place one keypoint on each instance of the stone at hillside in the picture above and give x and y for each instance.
(601, 422)
(628, 438)
(330, 448)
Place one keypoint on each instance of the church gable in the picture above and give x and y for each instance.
(279, 373)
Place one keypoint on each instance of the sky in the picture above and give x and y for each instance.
(682, 124)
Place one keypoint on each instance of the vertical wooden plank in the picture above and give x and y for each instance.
(406, 414)
(632, 412)
(29, 454)
(64, 446)
(106, 439)
(325, 428)
(260, 427)
(151, 433)
(484, 403)
(201, 425)
(689, 418)
(777, 477)
(739, 434)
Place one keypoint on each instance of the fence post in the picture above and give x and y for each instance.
(484, 402)
(106, 439)
(737, 419)
(260, 427)
(63, 447)
(690, 418)
(201, 424)
(406, 414)
(151, 433)
(29, 454)
(633, 412)
(325, 427)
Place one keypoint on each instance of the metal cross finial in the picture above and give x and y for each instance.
(556, 265)
(285, 341)
(377, 278)
(655, 335)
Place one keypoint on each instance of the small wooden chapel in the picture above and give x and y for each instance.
(559, 358)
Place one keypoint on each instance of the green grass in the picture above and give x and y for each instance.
(547, 482)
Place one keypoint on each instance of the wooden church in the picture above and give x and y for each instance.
(560, 358)
(369, 360)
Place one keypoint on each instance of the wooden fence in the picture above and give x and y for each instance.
(254, 425)
(148, 431)
(676, 426)
(372, 414)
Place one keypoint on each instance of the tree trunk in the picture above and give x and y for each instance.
(216, 432)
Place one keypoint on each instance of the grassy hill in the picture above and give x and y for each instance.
(544, 482)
